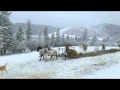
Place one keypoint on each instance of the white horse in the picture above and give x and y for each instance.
(45, 52)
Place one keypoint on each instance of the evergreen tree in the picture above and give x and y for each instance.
(39, 43)
(28, 35)
(84, 36)
(79, 38)
(52, 39)
(20, 34)
(71, 40)
(94, 40)
(6, 33)
(40, 34)
(58, 42)
(76, 38)
(63, 39)
(11, 42)
(46, 38)
(68, 37)
(28, 31)
(20, 40)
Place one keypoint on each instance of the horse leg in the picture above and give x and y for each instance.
(41, 57)
(46, 57)
(56, 56)
(51, 56)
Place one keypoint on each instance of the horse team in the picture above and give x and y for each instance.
(45, 52)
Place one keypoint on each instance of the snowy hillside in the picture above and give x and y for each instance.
(65, 29)
(71, 31)
(62, 31)
(106, 30)
(28, 66)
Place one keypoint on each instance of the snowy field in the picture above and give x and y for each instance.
(28, 66)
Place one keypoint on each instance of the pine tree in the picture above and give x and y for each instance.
(20, 40)
(84, 36)
(71, 40)
(94, 40)
(28, 31)
(68, 37)
(39, 43)
(52, 39)
(46, 38)
(63, 39)
(6, 33)
(40, 34)
(11, 42)
(76, 38)
(20, 34)
(58, 42)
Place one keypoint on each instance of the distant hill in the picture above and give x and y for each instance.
(107, 30)
(102, 30)
(35, 28)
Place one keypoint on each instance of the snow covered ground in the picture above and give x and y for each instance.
(28, 66)
(112, 72)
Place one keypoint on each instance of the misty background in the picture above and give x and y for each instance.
(66, 18)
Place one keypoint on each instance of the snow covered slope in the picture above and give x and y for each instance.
(65, 29)
(28, 66)
(62, 32)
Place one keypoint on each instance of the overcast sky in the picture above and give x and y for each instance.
(66, 18)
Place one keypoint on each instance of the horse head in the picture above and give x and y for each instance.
(67, 47)
(39, 48)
